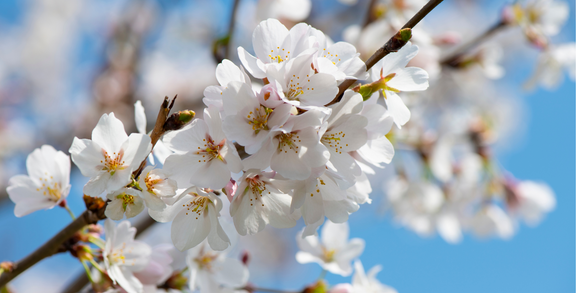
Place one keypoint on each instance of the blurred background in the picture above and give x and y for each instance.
(64, 63)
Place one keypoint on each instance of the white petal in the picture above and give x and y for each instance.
(410, 79)
(397, 109)
(140, 117)
(334, 236)
(109, 133)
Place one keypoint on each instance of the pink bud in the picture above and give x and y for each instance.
(231, 189)
(269, 97)
(449, 38)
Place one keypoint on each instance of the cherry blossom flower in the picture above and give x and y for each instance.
(124, 201)
(529, 200)
(195, 217)
(293, 149)
(298, 84)
(203, 156)
(46, 185)
(319, 196)
(367, 282)
(226, 72)
(345, 131)
(209, 270)
(157, 188)
(110, 157)
(540, 17)
(123, 255)
(551, 64)
(247, 121)
(273, 45)
(332, 251)
(261, 199)
(394, 77)
(158, 269)
(491, 220)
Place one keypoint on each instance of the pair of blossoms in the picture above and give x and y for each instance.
(305, 159)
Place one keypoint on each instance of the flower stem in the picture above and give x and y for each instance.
(453, 60)
(322, 275)
(70, 212)
(97, 266)
(88, 274)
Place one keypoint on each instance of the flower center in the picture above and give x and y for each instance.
(126, 200)
(288, 141)
(295, 88)
(117, 256)
(198, 205)
(382, 83)
(150, 181)
(259, 118)
(212, 150)
(277, 56)
(328, 254)
(332, 140)
(50, 189)
(204, 260)
(113, 162)
(256, 187)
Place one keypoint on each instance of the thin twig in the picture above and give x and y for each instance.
(388, 47)
(370, 15)
(255, 289)
(231, 29)
(455, 58)
(53, 245)
(158, 130)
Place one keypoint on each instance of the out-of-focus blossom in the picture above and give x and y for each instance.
(551, 65)
(332, 251)
(123, 255)
(292, 10)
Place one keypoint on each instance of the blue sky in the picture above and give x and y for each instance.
(535, 260)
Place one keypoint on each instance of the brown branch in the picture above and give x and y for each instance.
(231, 29)
(455, 58)
(158, 130)
(389, 47)
(53, 246)
(370, 14)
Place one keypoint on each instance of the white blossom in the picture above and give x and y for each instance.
(203, 156)
(195, 217)
(333, 251)
(212, 271)
(123, 255)
(394, 77)
(261, 199)
(110, 157)
(124, 201)
(47, 183)
(157, 188)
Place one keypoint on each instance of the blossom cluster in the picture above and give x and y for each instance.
(278, 141)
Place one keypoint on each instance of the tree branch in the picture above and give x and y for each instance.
(53, 246)
(231, 29)
(455, 58)
(389, 47)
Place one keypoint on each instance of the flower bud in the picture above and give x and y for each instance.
(178, 120)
